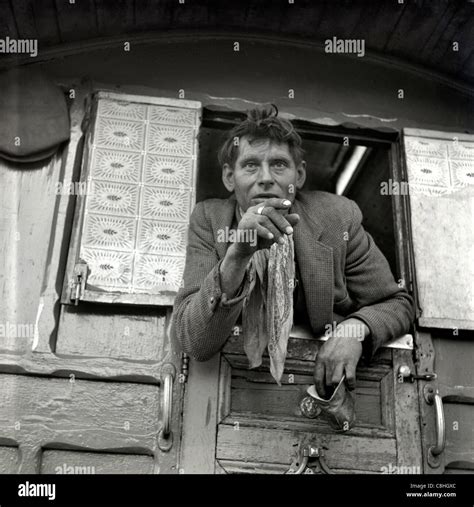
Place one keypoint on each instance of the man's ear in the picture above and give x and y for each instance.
(228, 177)
(301, 175)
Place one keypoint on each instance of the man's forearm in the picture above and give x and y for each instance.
(232, 271)
(387, 320)
(202, 322)
(199, 322)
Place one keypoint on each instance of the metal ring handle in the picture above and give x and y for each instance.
(311, 452)
(438, 448)
(167, 404)
(324, 466)
(168, 378)
(301, 468)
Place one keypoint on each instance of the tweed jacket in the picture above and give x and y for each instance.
(343, 272)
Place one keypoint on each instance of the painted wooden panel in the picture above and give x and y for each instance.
(9, 460)
(406, 414)
(457, 383)
(280, 447)
(200, 418)
(456, 386)
(28, 194)
(261, 424)
(130, 333)
(38, 412)
(457, 468)
(425, 355)
(459, 419)
(63, 218)
(249, 467)
(284, 403)
(76, 462)
(303, 345)
(254, 393)
(441, 189)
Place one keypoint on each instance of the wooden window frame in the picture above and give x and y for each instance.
(219, 119)
(361, 136)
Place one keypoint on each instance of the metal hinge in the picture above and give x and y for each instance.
(78, 281)
(183, 378)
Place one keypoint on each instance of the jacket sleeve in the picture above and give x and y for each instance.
(387, 309)
(203, 317)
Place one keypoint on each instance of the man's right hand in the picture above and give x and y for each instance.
(260, 230)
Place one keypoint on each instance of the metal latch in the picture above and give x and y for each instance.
(405, 375)
(78, 281)
(300, 464)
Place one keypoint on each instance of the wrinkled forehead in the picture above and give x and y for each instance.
(262, 148)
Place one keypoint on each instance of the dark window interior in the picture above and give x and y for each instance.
(326, 158)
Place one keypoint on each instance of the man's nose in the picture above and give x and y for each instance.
(265, 175)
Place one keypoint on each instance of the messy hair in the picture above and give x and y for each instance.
(261, 123)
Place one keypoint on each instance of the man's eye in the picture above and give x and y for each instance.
(280, 164)
(250, 165)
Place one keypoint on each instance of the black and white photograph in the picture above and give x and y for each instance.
(236, 244)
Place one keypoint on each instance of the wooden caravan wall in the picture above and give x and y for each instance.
(91, 395)
(62, 416)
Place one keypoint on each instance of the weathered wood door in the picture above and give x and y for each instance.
(242, 421)
(441, 178)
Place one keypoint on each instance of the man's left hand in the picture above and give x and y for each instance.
(339, 355)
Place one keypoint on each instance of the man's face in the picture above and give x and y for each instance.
(262, 170)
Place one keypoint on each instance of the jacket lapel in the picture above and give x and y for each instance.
(315, 261)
